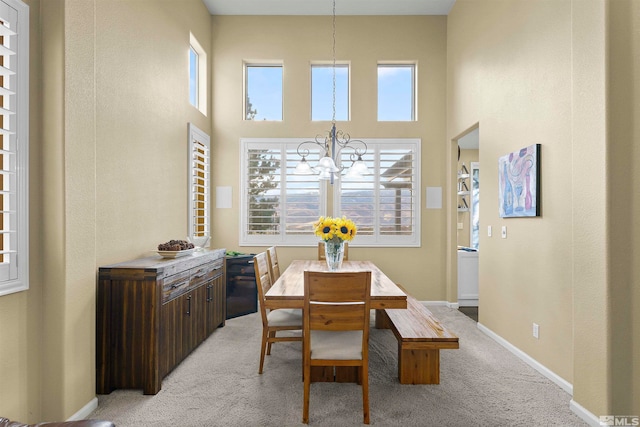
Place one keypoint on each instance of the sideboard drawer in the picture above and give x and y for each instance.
(206, 272)
(175, 285)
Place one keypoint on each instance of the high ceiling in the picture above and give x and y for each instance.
(324, 7)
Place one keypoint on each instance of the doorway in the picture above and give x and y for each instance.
(468, 221)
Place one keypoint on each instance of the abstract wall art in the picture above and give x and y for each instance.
(519, 183)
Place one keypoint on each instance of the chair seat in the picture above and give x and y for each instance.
(285, 317)
(336, 345)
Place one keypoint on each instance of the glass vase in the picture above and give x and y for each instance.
(334, 252)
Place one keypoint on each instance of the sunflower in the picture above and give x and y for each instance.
(345, 229)
(325, 228)
(336, 229)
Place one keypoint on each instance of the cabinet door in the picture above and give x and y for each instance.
(198, 316)
(216, 301)
(171, 334)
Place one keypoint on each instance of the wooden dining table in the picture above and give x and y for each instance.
(288, 292)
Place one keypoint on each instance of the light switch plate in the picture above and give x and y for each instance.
(460, 226)
(504, 231)
(488, 230)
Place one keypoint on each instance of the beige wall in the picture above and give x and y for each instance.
(623, 41)
(570, 88)
(504, 83)
(296, 41)
(108, 160)
(21, 313)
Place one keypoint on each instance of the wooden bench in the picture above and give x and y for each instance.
(420, 338)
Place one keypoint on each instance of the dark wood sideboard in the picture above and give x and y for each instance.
(151, 313)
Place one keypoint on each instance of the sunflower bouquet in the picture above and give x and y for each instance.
(335, 230)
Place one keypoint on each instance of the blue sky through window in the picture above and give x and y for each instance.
(193, 77)
(264, 92)
(395, 93)
(322, 92)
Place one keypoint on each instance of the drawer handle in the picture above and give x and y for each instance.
(175, 286)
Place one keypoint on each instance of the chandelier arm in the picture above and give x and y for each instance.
(302, 149)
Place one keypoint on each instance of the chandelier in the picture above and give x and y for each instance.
(333, 143)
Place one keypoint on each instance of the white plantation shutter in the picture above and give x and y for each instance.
(14, 126)
(386, 204)
(199, 185)
(278, 206)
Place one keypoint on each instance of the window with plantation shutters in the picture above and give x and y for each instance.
(199, 186)
(14, 148)
(278, 206)
(385, 205)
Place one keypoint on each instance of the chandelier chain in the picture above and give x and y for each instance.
(334, 62)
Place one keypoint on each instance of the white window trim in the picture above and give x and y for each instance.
(196, 134)
(329, 64)
(21, 256)
(414, 87)
(245, 87)
(281, 239)
(376, 240)
(201, 78)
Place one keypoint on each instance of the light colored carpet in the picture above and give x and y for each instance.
(481, 384)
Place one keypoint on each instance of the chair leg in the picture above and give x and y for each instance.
(307, 389)
(365, 392)
(272, 334)
(263, 348)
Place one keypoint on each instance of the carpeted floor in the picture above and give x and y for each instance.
(482, 384)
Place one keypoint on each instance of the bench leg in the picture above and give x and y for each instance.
(418, 366)
(382, 320)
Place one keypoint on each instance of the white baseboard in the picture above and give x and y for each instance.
(564, 384)
(467, 302)
(447, 303)
(584, 414)
(85, 411)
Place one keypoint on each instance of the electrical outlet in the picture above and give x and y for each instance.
(536, 330)
(488, 230)
(460, 225)
(504, 231)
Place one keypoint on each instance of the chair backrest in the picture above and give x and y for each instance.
(322, 256)
(337, 302)
(274, 265)
(263, 280)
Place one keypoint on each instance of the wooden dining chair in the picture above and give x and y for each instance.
(336, 327)
(282, 319)
(274, 265)
(322, 256)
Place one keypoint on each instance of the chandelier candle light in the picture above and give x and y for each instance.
(334, 232)
(333, 144)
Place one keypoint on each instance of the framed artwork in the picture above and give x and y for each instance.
(519, 183)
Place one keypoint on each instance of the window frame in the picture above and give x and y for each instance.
(374, 144)
(414, 89)
(195, 168)
(18, 265)
(261, 64)
(282, 239)
(201, 74)
(322, 64)
(377, 240)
